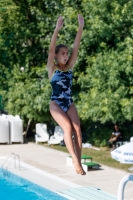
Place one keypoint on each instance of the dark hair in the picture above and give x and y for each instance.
(58, 47)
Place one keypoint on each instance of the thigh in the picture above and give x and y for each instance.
(114, 139)
(73, 116)
(59, 116)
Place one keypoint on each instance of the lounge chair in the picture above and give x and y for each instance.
(57, 137)
(41, 133)
(15, 128)
(4, 130)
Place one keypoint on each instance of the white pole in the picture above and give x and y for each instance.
(124, 180)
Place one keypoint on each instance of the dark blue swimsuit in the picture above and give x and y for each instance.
(61, 83)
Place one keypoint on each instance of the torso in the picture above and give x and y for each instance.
(61, 83)
(116, 133)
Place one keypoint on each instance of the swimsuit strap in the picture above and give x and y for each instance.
(61, 70)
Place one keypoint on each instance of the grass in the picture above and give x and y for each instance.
(102, 157)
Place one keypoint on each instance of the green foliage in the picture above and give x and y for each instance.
(1, 103)
(99, 136)
(106, 80)
(107, 95)
(29, 94)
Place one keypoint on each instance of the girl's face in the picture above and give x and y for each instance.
(62, 55)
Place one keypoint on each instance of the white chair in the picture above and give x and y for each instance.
(57, 137)
(4, 130)
(41, 133)
(131, 139)
(15, 128)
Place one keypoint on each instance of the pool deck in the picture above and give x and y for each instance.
(47, 167)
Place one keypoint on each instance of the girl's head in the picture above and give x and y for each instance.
(61, 54)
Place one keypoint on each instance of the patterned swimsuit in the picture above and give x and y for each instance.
(61, 83)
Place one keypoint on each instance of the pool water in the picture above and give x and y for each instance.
(14, 187)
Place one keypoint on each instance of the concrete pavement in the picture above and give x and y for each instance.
(48, 162)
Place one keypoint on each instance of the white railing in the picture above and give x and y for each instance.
(121, 187)
(8, 160)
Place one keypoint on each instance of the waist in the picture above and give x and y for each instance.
(57, 94)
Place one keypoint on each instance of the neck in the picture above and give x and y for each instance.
(61, 66)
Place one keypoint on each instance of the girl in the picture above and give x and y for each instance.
(62, 107)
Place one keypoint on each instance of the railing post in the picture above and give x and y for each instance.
(17, 156)
(121, 187)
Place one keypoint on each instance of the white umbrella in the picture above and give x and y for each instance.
(124, 153)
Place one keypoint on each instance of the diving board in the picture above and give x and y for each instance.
(86, 193)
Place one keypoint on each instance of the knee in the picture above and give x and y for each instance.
(77, 130)
(68, 129)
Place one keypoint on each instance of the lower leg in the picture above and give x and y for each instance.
(73, 152)
(75, 123)
(78, 147)
(113, 146)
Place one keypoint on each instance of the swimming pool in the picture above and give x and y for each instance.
(14, 187)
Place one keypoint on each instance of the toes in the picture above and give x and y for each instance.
(78, 168)
(84, 173)
(81, 171)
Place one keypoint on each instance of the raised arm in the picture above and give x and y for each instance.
(51, 56)
(74, 54)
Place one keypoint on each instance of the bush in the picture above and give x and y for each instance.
(99, 136)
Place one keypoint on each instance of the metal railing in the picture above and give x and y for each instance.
(122, 184)
(8, 160)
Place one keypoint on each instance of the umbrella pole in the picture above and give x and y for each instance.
(124, 180)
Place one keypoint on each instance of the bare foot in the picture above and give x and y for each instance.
(84, 173)
(78, 167)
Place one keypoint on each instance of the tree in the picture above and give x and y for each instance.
(106, 83)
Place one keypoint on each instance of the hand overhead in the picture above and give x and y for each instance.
(80, 20)
(59, 23)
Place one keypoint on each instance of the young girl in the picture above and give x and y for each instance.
(62, 107)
